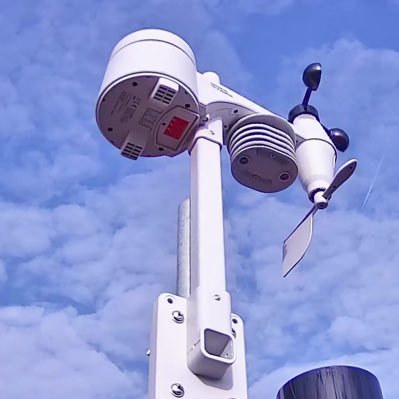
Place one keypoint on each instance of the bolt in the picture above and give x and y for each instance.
(322, 205)
(177, 390)
(212, 132)
(284, 176)
(178, 316)
(244, 160)
(205, 119)
(217, 297)
(148, 353)
(255, 177)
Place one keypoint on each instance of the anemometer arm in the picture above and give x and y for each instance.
(220, 101)
(315, 151)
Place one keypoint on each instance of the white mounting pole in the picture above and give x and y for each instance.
(210, 342)
(207, 237)
(197, 344)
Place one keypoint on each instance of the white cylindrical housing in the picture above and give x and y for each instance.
(315, 156)
(152, 51)
(148, 101)
(210, 343)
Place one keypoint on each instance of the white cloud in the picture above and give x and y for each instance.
(3, 273)
(121, 328)
(49, 86)
(44, 357)
(261, 7)
(101, 237)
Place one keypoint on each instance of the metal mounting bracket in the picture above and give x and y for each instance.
(169, 375)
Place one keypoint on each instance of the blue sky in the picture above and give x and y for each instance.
(85, 247)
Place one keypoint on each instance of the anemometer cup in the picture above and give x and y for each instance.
(302, 109)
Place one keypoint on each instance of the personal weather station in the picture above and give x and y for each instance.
(153, 102)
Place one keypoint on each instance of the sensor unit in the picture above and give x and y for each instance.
(148, 102)
(262, 153)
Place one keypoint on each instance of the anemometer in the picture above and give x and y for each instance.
(153, 102)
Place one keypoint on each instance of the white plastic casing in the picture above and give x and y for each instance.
(315, 156)
(168, 357)
(152, 50)
(148, 101)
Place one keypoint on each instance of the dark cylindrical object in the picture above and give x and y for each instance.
(335, 382)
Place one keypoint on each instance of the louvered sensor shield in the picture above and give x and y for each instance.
(262, 153)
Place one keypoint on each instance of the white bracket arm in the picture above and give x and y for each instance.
(219, 100)
(315, 152)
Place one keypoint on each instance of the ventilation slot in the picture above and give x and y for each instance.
(165, 95)
(132, 151)
(165, 91)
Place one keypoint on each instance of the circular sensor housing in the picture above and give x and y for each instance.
(148, 101)
(262, 153)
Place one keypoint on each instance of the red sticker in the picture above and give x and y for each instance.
(176, 128)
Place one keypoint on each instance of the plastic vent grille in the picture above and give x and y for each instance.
(132, 151)
(165, 94)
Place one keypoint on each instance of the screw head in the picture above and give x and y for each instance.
(178, 316)
(177, 390)
(243, 160)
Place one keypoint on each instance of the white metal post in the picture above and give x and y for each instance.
(207, 237)
(210, 342)
(197, 344)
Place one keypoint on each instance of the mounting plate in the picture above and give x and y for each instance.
(168, 357)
